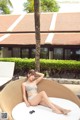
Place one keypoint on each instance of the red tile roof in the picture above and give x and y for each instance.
(68, 21)
(23, 39)
(66, 39)
(6, 21)
(63, 21)
(27, 23)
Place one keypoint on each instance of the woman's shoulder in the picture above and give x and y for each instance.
(24, 83)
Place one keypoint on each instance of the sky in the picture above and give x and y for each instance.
(68, 0)
(68, 7)
(18, 6)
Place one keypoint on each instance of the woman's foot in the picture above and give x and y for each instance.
(65, 111)
(57, 111)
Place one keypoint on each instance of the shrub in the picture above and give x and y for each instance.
(48, 66)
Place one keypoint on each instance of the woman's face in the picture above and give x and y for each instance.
(31, 77)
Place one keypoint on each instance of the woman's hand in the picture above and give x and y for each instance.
(39, 74)
(28, 105)
(40, 77)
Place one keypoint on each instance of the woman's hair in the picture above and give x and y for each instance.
(32, 72)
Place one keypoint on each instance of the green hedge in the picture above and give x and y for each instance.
(22, 65)
(60, 64)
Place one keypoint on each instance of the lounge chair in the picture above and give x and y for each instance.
(6, 72)
(11, 95)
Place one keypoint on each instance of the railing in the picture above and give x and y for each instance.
(57, 31)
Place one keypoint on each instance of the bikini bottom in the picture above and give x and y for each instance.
(32, 96)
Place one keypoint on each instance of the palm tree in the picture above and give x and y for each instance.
(37, 34)
(5, 6)
(45, 6)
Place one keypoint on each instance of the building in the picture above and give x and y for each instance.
(53, 45)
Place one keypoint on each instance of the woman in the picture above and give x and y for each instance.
(35, 98)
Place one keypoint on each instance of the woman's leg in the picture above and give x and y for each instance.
(60, 109)
(64, 111)
(42, 99)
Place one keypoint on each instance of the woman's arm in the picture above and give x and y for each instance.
(40, 77)
(24, 95)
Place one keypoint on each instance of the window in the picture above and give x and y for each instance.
(25, 53)
(33, 53)
(44, 53)
(58, 53)
(16, 52)
(67, 54)
(77, 54)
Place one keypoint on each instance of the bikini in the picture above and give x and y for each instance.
(31, 89)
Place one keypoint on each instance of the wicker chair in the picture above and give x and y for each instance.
(11, 95)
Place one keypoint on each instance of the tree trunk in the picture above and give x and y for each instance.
(37, 34)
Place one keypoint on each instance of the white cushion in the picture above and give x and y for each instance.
(6, 69)
(21, 111)
(6, 72)
(4, 80)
